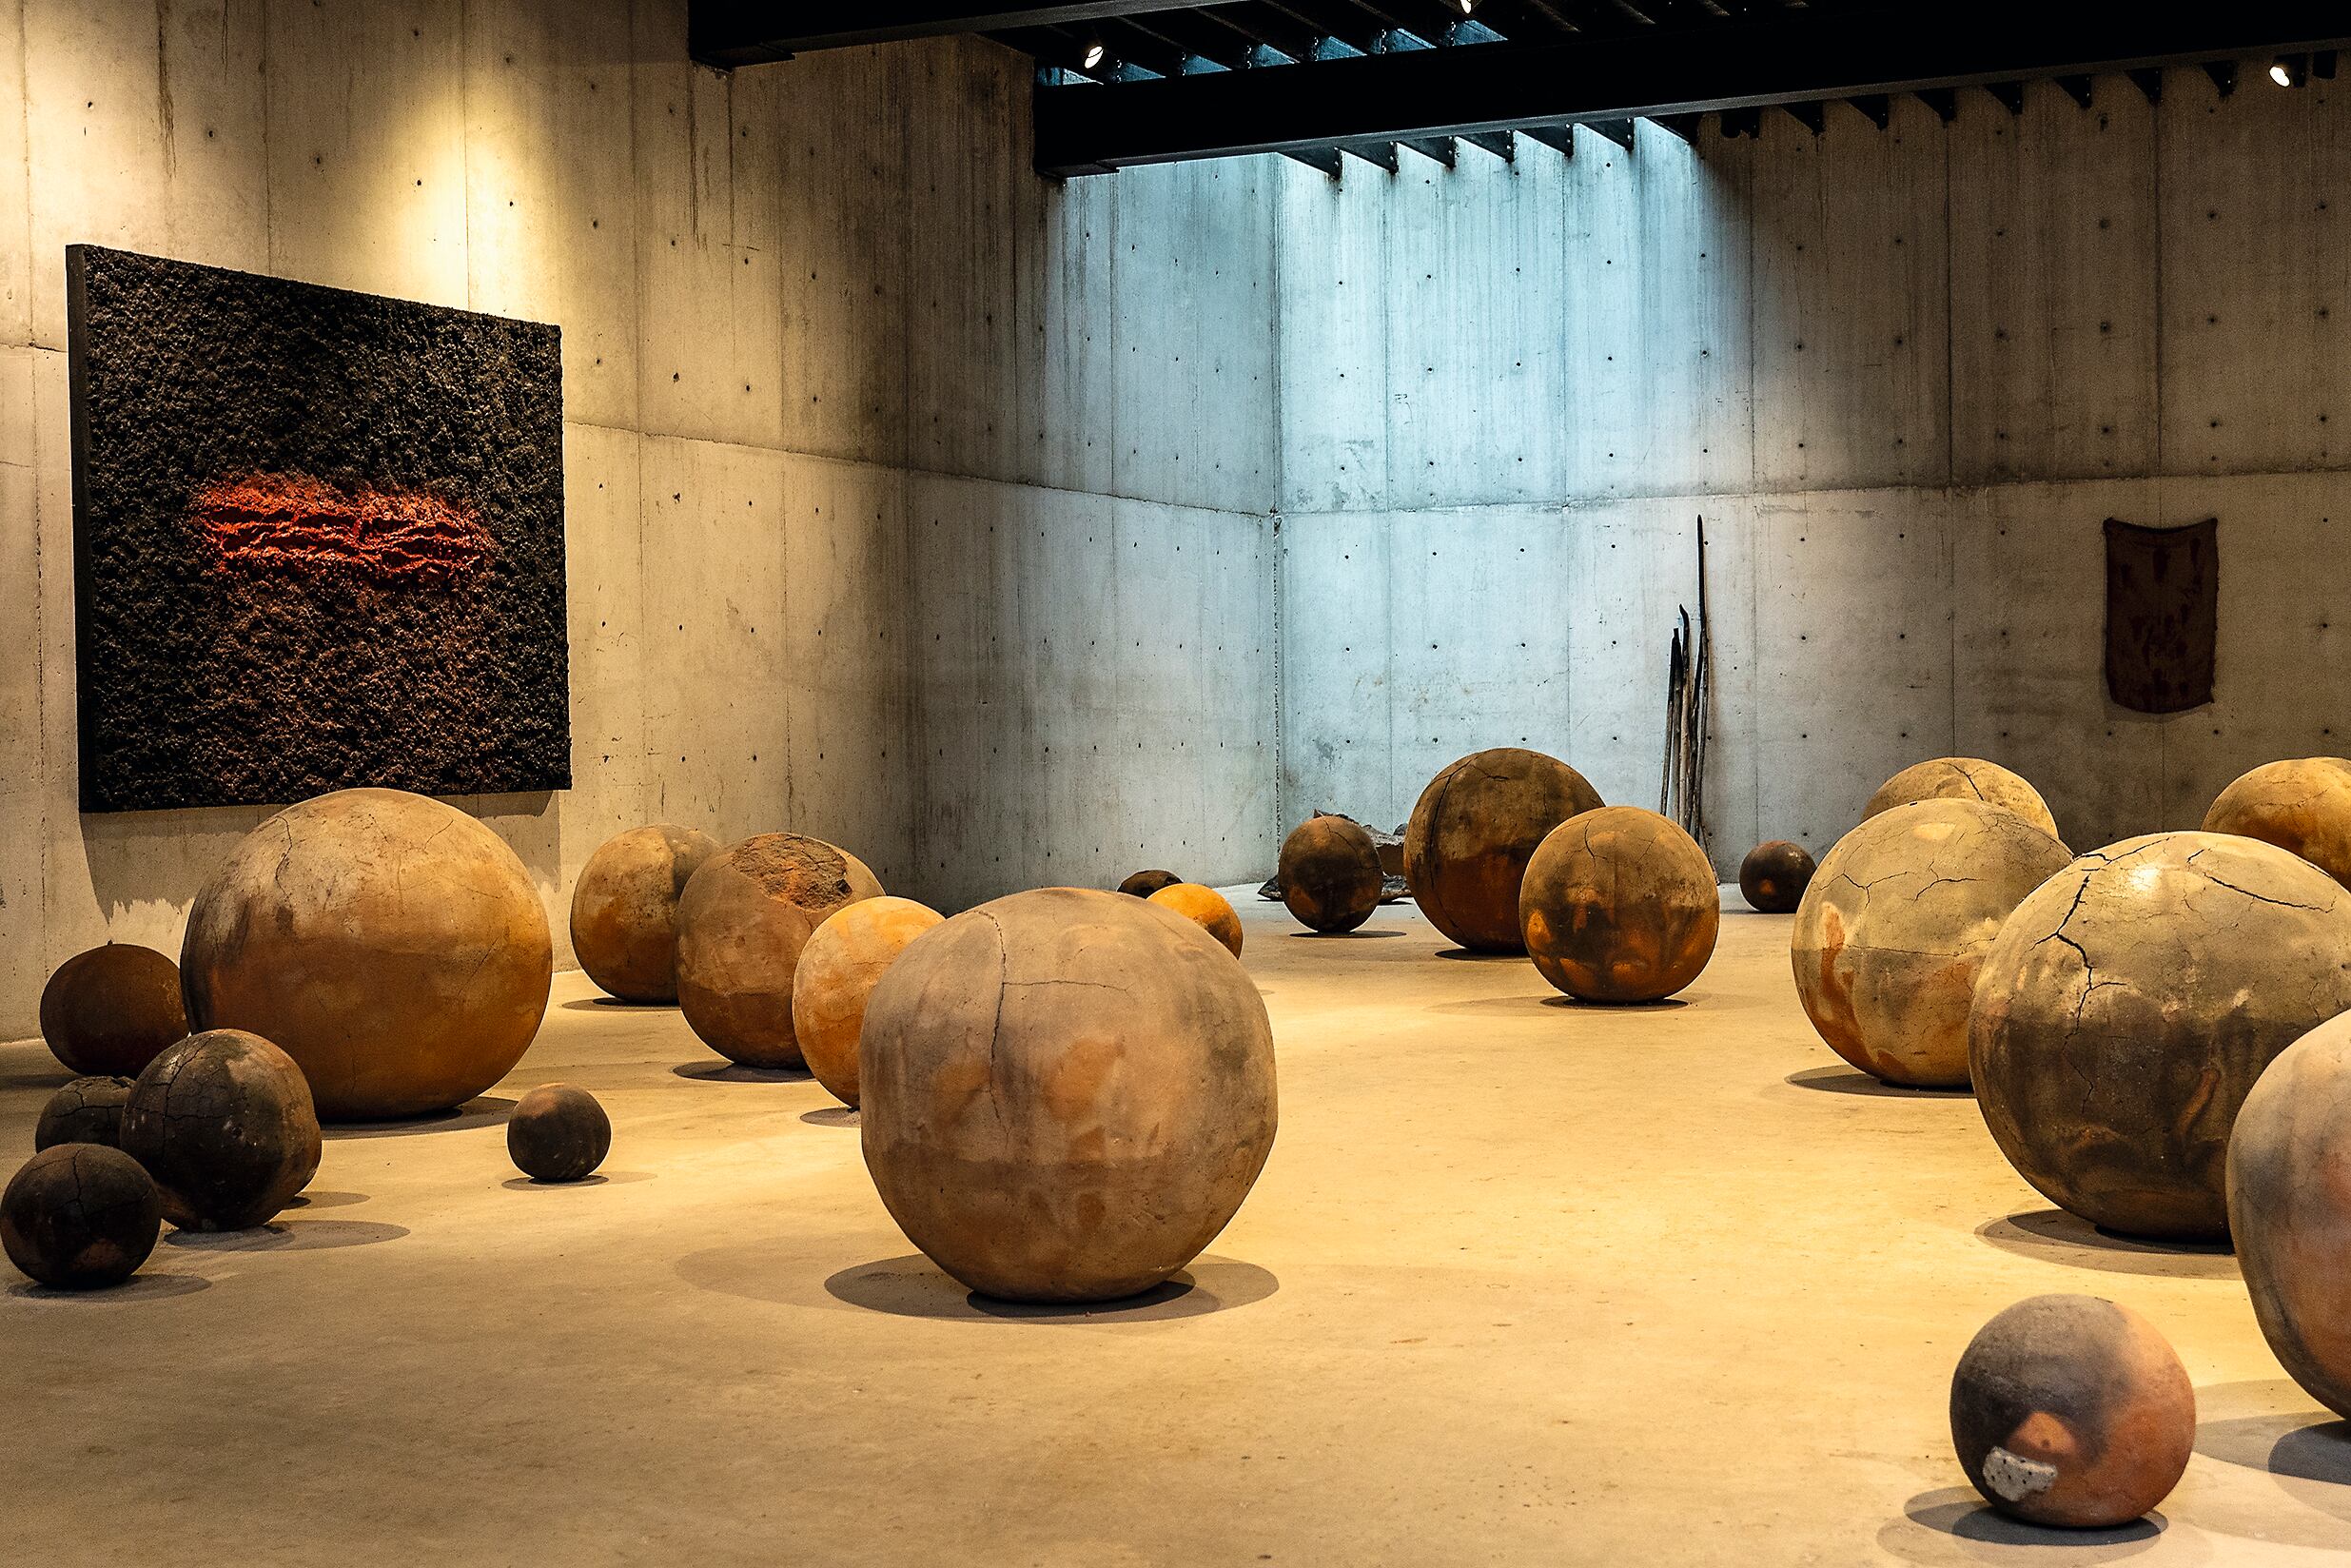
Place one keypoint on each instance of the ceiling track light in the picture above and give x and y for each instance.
(1090, 52)
(2290, 70)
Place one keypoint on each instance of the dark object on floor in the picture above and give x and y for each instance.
(318, 541)
(2073, 1411)
(1330, 875)
(2162, 615)
(1774, 874)
(1619, 904)
(87, 1111)
(1474, 830)
(2289, 1211)
(1144, 884)
(223, 1123)
(741, 925)
(80, 1217)
(557, 1133)
(624, 908)
(112, 1010)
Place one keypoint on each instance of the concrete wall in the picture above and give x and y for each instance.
(905, 489)
(1903, 375)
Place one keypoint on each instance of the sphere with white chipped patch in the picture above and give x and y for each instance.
(2289, 1209)
(1894, 924)
(2129, 1006)
(2073, 1410)
(1962, 779)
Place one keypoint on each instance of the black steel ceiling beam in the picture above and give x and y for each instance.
(1791, 58)
(750, 32)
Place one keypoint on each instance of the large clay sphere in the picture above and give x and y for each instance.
(391, 945)
(1894, 928)
(1773, 876)
(845, 957)
(87, 1111)
(1144, 884)
(557, 1133)
(2071, 1410)
(1205, 908)
(1619, 904)
(80, 1217)
(1962, 779)
(2127, 1007)
(1474, 830)
(624, 909)
(2302, 806)
(1330, 874)
(2289, 1209)
(223, 1123)
(742, 924)
(112, 1010)
(1068, 1094)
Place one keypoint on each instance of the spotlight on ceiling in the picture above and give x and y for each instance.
(1091, 52)
(2290, 70)
(1465, 6)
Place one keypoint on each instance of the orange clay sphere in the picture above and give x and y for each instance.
(2302, 806)
(845, 957)
(742, 924)
(1205, 908)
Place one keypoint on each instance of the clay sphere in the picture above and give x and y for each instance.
(1619, 904)
(1144, 884)
(1203, 907)
(2302, 806)
(1773, 876)
(80, 1217)
(112, 1010)
(2129, 1006)
(1472, 833)
(742, 924)
(391, 945)
(2074, 1411)
(87, 1111)
(1330, 874)
(845, 957)
(2289, 1209)
(624, 909)
(1962, 779)
(557, 1133)
(225, 1124)
(1068, 1094)
(1893, 932)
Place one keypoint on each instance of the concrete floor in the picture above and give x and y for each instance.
(1522, 1283)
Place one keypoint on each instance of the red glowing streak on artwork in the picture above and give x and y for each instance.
(291, 521)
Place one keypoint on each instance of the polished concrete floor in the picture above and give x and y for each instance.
(1523, 1282)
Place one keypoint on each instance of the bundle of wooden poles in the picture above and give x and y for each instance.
(1682, 795)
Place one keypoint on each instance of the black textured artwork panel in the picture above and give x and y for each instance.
(318, 541)
(2162, 615)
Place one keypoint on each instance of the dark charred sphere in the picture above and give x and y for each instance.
(1474, 830)
(1330, 874)
(1773, 876)
(87, 1111)
(1144, 884)
(223, 1123)
(80, 1217)
(1619, 904)
(557, 1133)
(112, 1010)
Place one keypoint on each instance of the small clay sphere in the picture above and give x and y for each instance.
(2302, 806)
(1773, 876)
(2073, 1411)
(112, 1010)
(557, 1133)
(2130, 1005)
(1330, 874)
(2289, 1209)
(1472, 833)
(845, 957)
(80, 1217)
(742, 924)
(225, 1124)
(1962, 779)
(87, 1111)
(1619, 904)
(624, 909)
(390, 944)
(1890, 935)
(1144, 884)
(1066, 1094)
(1205, 908)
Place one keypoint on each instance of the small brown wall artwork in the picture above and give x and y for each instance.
(2162, 615)
(318, 541)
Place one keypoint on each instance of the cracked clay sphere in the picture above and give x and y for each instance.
(2129, 1003)
(391, 945)
(742, 924)
(1619, 904)
(1889, 935)
(2302, 806)
(1330, 874)
(1472, 833)
(1773, 876)
(223, 1123)
(80, 1217)
(624, 908)
(1203, 907)
(2289, 1209)
(1962, 779)
(845, 957)
(1066, 1094)
(2073, 1411)
(112, 1010)
(87, 1111)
